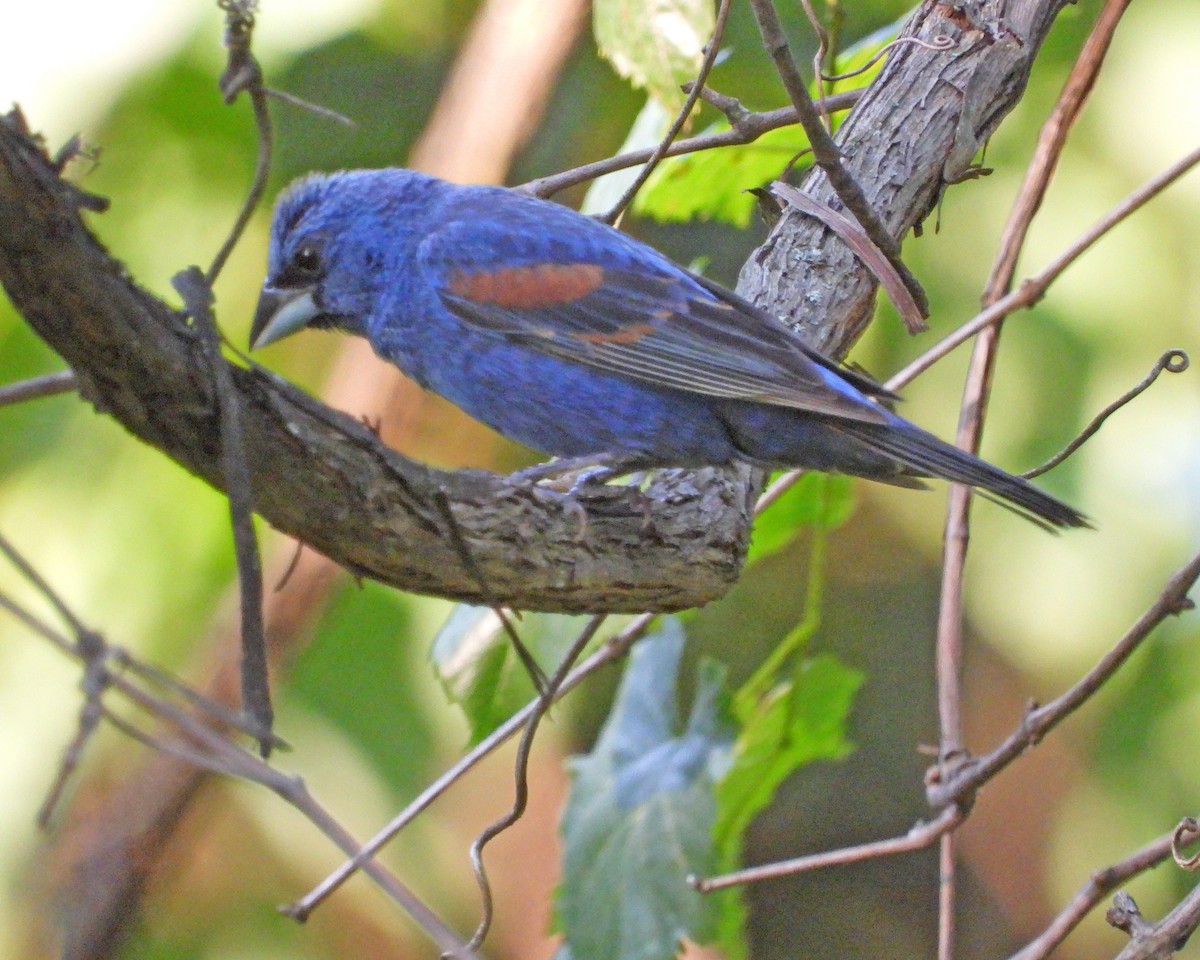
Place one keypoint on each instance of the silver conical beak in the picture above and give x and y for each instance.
(281, 313)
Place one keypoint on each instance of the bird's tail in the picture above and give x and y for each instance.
(925, 455)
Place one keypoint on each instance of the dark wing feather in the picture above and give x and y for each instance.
(662, 328)
(871, 388)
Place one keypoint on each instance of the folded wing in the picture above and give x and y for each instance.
(660, 326)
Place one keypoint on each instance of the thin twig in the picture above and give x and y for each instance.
(941, 42)
(745, 127)
(292, 100)
(823, 47)
(521, 774)
(208, 748)
(1172, 361)
(1099, 885)
(26, 569)
(611, 651)
(196, 291)
(233, 719)
(244, 75)
(947, 895)
(1162, 940)
(90, 714)
(1031, 290)
(920, 837)
(49, 385)
(1040, 720)
(693, 95)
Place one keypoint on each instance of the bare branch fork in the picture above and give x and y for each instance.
(199, 739)
(950, 799)
(1100, 884)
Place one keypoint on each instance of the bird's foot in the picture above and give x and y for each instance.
(570, 505)
(562, 480)
(569, 475)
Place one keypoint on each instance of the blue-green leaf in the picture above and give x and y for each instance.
(640, 815)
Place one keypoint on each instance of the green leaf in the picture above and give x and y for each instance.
(711, 184)
(640, 814)
(656, 44)
(478, 668)
(354, 675)
(799, 721)
(821, 500)
(647, 130)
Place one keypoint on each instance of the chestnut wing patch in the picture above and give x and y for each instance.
(527, 288)
(661, 328)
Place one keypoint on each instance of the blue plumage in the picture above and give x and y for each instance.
(577, 340)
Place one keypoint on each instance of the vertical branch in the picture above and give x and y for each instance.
(974, 407)
(947, 898)
(242, 74)
(48, 385)
(197, 295)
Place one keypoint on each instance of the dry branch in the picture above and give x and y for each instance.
(324, 478)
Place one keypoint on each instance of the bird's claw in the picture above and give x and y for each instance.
(566, 499)
(563, 480)
(569, 475)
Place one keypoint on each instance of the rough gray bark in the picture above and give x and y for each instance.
(915, 130)
(328, 481)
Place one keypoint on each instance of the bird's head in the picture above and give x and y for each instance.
(325, 266)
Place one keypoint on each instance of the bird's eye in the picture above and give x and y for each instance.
(307, 261)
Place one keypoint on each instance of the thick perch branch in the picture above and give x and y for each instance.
(328, 481)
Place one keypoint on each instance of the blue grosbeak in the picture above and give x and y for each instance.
(579, 341)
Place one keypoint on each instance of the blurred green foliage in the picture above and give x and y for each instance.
(658, 46)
